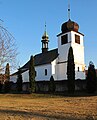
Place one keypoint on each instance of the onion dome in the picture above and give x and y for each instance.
(69, 26)
(45, 36)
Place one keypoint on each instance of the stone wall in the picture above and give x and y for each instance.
(61, 86)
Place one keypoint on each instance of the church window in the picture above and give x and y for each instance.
(77, 39)
(64, 39)
(35, 73)
(45, 72)
(78, 69)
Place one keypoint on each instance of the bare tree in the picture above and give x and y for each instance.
(8, 50)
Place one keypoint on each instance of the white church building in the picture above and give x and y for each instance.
(54, 62)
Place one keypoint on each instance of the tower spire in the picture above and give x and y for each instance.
(45, 40)
(69, 9)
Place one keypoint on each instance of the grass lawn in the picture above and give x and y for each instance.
(47, 107)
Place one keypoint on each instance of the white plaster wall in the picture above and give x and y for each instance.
(25, 76)
(78, 51)
(13, 78)
(63, 49)
(73, 37)
(59, 72)
(80, 75)
(81, 67)
(62, 71)
(41, 72)
(54, 68)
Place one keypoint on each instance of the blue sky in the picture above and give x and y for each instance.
(25, 20)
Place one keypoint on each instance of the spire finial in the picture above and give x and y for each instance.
(45, 26)
(68, 9)
(45, 35)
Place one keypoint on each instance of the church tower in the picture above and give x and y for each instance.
(45, 40)
(70, 37)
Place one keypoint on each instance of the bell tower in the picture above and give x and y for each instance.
(70, 37)
(45, 40)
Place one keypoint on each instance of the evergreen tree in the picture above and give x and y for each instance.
(91, 78)
(6, 86)
(19, 81)
(0, 86)
(32, 74)
(71, 71)
(7, 71)
(7, 82)
(52, 85)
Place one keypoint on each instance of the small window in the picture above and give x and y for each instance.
(45, 71)
(78, 69)
(77, 39)
(64, 39)
(35, 73)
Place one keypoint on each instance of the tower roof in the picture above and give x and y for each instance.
(45, 35)
(69, 26)
(42, 59)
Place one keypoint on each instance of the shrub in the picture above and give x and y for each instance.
(52, 85)
(19, 81)
(91, 78)
(6, 86)
(0, 86)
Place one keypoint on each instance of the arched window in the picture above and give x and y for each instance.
(45, 72)
(78, 69)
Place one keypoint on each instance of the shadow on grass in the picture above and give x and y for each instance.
(55, 94)
(40, 115)
(79, 94)
(66, 94)
(27, 114)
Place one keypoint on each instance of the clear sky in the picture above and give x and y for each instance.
(25, 20)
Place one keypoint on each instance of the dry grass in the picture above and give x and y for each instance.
(46, 107)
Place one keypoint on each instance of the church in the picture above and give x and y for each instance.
(54, 62)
